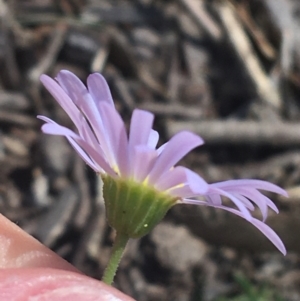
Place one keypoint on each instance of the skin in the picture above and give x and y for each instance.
(31, 272)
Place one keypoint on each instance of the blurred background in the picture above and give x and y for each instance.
(227, 70)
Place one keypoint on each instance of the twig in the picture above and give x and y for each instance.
(241, 132)
(123, 92)
(173, 110)
(13, 101)
(8, 48)
(264, 45)
(283, 16)
(99, 60)
(56, 43)
(17, 119)
(57, 219)
(265, 88)
(197, 10)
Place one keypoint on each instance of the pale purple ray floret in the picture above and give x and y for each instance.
(102, 142)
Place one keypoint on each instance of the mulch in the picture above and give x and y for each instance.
(227, 70)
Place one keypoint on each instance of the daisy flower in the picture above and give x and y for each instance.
(141, 181)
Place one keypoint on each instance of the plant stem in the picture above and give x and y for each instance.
(114, 261)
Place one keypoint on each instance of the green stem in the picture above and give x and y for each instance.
(114, 261)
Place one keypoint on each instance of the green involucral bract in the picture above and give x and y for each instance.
(132, 208)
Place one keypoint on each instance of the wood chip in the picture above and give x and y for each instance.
(241, 132)
(266, 89)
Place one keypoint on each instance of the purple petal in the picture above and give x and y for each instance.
(86, 133)
(62, 98)
(181, 192)
(175, 149)
(153, 139)
(96, 156)
(84, 156)
(52, 129)
(244, 200)
(248, 188)
(196, 202)
(46, 119)
(99, 89)
(182, 182)
(72, 85)
(270, 234)
(144, 157)
(256, 197)
(257, 184)
(265, 229)
(140, 128)
(171, 178)
(214, 199)
(196, 183)
(79, 94)
(89, 136)
(161, 148)
(81, 97)
(272, 205)
(116, 135)
(235, 200)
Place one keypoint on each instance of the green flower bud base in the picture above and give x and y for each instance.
(132, 208)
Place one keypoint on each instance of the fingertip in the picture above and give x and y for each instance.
(45, 284)
(20, 250)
